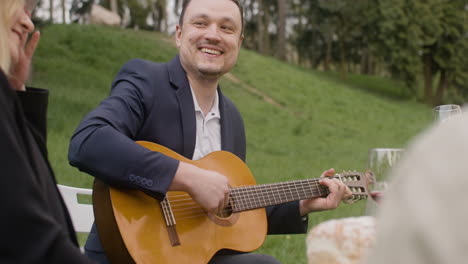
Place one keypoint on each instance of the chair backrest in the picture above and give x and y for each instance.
(82, 214)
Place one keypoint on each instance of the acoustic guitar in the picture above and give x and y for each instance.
(136, 228)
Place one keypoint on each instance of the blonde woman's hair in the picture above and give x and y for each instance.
(7, 11)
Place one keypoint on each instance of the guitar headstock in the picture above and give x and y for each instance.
(357, 182)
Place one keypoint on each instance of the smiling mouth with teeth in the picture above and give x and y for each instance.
(210, 51)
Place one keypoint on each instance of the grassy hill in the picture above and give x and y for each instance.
(298, 122)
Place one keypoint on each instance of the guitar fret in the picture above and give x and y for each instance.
(301, 185)
(318, 188)
(297, 191)
(253, 202)
(234, 201)
(248, 200)
(288, 191)
(262, 193)
(241, 200)
(310, 188)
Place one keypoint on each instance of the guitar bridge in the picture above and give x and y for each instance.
(170, 222)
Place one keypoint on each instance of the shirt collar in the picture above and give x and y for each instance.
(214, 111)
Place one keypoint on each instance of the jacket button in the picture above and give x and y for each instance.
(149, 183)
(132, 177)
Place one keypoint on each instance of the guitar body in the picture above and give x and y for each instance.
(141, 222)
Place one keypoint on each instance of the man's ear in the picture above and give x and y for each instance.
(241, 39)
(178, 34)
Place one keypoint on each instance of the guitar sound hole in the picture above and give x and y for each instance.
(227, 211)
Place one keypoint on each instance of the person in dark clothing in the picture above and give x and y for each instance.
(36, 225)
(179, 105)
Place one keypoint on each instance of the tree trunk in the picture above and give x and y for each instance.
(263, 20)
(281, 44)
(114, 6)
(428, 77)
(51, 11)
(260, 31)
(366, 61)
(328, 54)
(444, 83)
(164, 14)
(300, 29)
(342, 59)
(156, 15)
(370, 64)
(64, 10)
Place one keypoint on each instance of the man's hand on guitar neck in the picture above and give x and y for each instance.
(208, 188)
(338, 191)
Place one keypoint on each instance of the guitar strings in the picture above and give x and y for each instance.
(246, 192)
(249, 194)
(249, 197)
(255, 189)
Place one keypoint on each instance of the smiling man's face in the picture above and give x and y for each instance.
(209, 38)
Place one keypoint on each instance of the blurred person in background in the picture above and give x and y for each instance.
(36, 225)
(423, 216)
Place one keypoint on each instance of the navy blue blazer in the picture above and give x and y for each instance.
(153, 102)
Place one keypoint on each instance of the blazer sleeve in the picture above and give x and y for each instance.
(103, 144)
(286, 219)
(30, 234)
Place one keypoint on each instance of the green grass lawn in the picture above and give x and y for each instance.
(322, 122)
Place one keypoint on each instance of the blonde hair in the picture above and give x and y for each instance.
(7, 11)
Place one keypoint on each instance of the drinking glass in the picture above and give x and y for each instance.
(444, 112)
(379, 162)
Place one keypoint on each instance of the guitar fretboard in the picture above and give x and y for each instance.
(258, 196)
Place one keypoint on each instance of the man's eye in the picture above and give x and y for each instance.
(227, 28)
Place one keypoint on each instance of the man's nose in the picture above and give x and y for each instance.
(212, 33)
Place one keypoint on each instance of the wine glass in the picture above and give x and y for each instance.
(379, 163)
(444, 112)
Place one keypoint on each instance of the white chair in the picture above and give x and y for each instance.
(81, 214)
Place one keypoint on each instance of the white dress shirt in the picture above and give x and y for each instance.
(208, 129)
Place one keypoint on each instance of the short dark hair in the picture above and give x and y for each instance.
(187, 2)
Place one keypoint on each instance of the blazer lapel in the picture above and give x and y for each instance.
(179, 79)
(227, 139)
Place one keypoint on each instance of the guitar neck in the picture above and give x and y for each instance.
(259, 196)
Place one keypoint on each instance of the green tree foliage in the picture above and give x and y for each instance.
(334, 30)
(418, 41)
(139, 12)
(427, 37)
